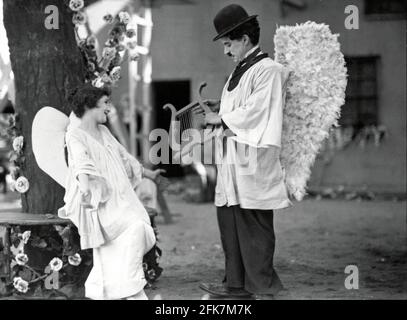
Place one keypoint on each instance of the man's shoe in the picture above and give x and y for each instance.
(222, 291)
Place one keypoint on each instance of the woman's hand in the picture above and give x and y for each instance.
(84, 190)
(156, 173)
(161, 182)
(85, 197)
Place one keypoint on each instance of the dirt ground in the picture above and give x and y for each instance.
(316, 240)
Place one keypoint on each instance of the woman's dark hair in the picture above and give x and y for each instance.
(251, 28)
(86, 97)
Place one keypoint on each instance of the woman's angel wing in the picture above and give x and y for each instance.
(48, 142)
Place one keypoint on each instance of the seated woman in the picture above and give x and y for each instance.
(100, 200)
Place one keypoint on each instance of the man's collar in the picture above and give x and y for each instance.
(250, 51)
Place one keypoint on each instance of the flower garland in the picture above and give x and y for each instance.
(105, 71)
(24, 276)
(315, 93)
(28, 280)
(16, 156)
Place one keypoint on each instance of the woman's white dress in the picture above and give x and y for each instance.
(119, 229)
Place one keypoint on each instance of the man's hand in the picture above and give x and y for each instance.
(209, 118)
(213, 119)
(213, 104)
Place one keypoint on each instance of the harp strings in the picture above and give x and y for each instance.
(186, 120)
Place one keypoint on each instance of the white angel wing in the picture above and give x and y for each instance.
(74, 121)
(48, 140)
(315, 94)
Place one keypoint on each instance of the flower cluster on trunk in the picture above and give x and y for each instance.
(120, 45)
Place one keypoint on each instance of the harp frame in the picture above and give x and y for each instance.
(176, 142)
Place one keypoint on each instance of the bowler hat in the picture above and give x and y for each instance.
(229, 18)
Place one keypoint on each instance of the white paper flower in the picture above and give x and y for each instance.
(108, 18)
(21, 259)
(79, 18)
(19, 249)
(26, 236)
(56, 264)
(75, 260)
(16, 279)
(124, 17)
(108, 53)
(115, 73)
(20, 284)
(18, 143)
(91, 66)
(106, 79)
(130, 33)
(76, 5)
(98, 83)
(22, 185)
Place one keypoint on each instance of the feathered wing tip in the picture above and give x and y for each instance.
(314, 96)
(48, 140)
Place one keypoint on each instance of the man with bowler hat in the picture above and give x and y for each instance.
(247, 192)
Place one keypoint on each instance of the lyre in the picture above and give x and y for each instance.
(185, 125)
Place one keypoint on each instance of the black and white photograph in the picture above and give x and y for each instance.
(221, 150)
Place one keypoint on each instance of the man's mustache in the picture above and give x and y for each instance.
(229, 54)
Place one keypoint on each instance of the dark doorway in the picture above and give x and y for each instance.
(178, 94)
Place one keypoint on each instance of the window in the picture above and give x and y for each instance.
(392, 9)
(361, 102)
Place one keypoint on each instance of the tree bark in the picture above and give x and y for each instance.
(46, 65)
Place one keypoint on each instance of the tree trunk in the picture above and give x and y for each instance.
(46, 65)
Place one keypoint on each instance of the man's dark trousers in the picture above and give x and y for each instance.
(248, 242)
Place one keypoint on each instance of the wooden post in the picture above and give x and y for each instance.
(133, 74)
(146, 79)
